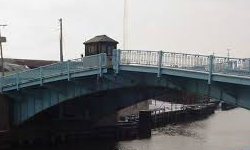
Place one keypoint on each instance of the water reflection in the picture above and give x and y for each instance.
(228, 130)
(187, 130)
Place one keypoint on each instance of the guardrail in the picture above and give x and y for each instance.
(237, 66)
(205, 63)
(56, 69)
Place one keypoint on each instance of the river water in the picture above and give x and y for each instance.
(224, 130)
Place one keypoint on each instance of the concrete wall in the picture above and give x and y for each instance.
(134, 109)
(4, 113)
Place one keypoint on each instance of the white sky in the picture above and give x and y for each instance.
(192, 26)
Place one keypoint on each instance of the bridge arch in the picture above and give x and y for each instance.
(103, 103)
(30, 101)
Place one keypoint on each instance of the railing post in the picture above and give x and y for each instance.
(159, 63)
(41, 76)
(116, 60)
(100, 64)
(17, 81)
(249, 64)
(68, 69)
(104, 60)
(210, 69)
(1, 85)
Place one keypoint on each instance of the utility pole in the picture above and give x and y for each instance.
(61, 41)
(2, 39)
(125, 17)
(61, 109)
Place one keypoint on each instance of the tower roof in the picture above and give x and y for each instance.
(101, 38)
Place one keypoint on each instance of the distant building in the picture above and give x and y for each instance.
(16, 65)
(10, 68)
(31, 63)
(100, 44)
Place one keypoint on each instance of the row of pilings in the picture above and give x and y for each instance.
(159, 118)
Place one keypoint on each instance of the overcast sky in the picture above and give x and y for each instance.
(193, 26)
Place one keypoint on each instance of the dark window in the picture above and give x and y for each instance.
(103, 49)
(110, 49)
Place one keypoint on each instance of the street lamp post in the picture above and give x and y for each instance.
(2, 39)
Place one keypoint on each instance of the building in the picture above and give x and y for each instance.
(105, 44)
(100, 44)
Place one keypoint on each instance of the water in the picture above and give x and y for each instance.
(225, 130)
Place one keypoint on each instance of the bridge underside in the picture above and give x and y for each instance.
(98, 105)
(27, 102)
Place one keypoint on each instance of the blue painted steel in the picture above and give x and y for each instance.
(54, 72)
(159, 63)
(223, 65)
(207, 64)
(224, 78)
(116, 60)
(220, 70)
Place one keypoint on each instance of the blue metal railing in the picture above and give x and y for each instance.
(237, 66)
(205, 63)
(56, 69)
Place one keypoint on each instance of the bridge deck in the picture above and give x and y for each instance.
(223, 69)
(231, 70)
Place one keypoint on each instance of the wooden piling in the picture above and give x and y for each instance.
(144, 127)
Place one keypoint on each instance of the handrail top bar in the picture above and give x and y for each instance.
(86, 57)
(38, 68)
(232, 58)
(141, 50)
(169, 52)
(189, 54)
